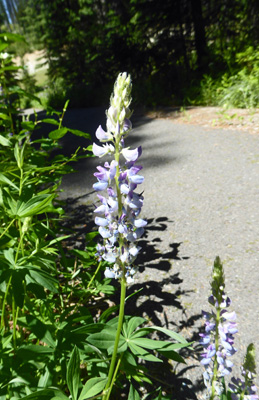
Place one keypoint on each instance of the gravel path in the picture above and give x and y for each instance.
(201, 194)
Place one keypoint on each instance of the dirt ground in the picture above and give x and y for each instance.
(212, 117)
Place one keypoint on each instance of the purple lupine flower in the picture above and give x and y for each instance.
(118, 214)
(218, 339)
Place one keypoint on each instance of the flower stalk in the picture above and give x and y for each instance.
(118, 211)
(218, 339)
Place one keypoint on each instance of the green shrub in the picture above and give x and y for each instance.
(239, 89)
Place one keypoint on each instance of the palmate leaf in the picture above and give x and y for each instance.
(140, 345)
(21, 209)
(130, 326)
(36, 205)
(142, 353)
(73, 373)
(105, 340)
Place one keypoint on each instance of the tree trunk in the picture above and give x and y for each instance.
(199, 31)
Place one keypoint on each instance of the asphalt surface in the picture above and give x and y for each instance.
(201, 198)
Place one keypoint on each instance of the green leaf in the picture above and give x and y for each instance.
(133, 393)
(105, 339)
(73, 373)
(130, 326)
(14, 37)
(4, 116)
(44, 279)
(141, 353)
(38, 328)
(89, 328)
(46, 394)
(104, 316)
(3, 46)
(34, 352)
(92, 387)
(80, 133)
(133, 294)
(65, 106)
(172, 355)
(36, 205)
(18, 287)
(149, 343)
(50, 121)
(167, 332)
(4, 179)
(3, 141)
(58, 133)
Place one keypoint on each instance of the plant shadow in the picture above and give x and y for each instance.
(153, 296)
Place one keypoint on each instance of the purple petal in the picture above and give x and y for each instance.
(101, 221)
(139, 223)
(127, 125)
(109, 273)
(100, 186)
(101, 134)
(101, 209)
(98, 151)
(109, 257)
(136, 179)
(131, 155)
(124, 188)
(105, 233)
(205, 361)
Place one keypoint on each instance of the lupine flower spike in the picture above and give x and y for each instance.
(118, 212)
(218, 339)
(245, 389)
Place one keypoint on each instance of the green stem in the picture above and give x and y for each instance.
(89, 284)
(215, 369)
(20, 244)
(6, 229)
(15, 316)
(112, 374)
(242, 395)
(114, 377)
(94, 275)
(4, 303)
(109, 384)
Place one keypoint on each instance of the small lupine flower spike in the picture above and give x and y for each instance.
(218, 339)
(245, 389)
(118, 211)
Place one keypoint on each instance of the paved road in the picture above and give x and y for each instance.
(201, 194)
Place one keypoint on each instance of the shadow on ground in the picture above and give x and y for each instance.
(154, 297)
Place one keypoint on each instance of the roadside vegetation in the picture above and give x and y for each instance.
(179, 53)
